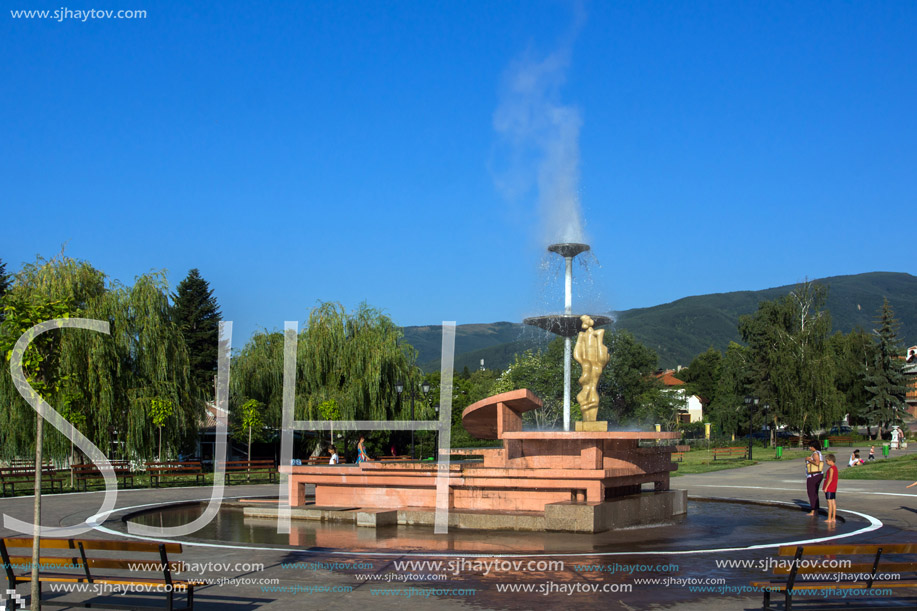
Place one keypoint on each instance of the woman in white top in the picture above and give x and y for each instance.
(814, 465)
(334, 456)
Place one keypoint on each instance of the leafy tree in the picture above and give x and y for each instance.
(702, 375)
(351, 358)
(160, 412)
(542, 372)
(105, 383)
(479, 384)
(733, 385)
(198, 316)
(39, 365)
(886, 383)
(854, 352)
(329, 410)
(251, 421)
(792, 366)
(627, 390)
(4, 285)
(257, 373)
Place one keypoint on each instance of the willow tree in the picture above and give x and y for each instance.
(104, 383)
(355, 359)
(352, 359)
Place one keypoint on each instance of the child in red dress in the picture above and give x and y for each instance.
(830, 488)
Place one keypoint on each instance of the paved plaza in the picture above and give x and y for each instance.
(325, 578)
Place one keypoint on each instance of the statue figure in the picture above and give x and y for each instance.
(592, 354)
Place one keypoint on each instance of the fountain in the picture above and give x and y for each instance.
(588, 480)
(567, 324)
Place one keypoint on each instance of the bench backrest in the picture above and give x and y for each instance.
(25, 472)
(178, 467)
(850, 549)
(81, 560)
(117, 467)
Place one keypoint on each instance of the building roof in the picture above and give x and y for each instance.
(668, 378)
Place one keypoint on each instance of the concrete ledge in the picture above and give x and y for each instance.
(324, 514)
(377, 518)
(478, 520)
(643, 509)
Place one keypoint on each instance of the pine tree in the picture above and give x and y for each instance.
(4, 284)
(886, 384)
(197, 315)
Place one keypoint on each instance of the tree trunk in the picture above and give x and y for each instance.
(36, 516)
(248, 476)
(159, 453)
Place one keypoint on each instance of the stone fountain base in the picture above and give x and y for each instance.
(584, 481)
(645, 509)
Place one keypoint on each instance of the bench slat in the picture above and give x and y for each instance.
(780, 586)
(97, 544)
(852, 549)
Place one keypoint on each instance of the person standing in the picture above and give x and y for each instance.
(830, 488)
(361, 451)
(814, 466)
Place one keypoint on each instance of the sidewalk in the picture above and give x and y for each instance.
(887, 501)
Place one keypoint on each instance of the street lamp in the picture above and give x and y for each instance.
(399, 388)
(750, 402)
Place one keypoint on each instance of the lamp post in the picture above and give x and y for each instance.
(750, 401)
(399, 388)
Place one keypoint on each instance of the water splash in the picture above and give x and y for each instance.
(539, 139)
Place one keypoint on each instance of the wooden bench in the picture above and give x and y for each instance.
(839, 439)
(80, 556)
(679, 453)
(10, 477)
(792, 441)
(84, 472)
(866, 562)
(249, 467)
(729, 453)
(159, 470)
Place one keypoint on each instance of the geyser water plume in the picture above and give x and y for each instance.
(539, 139)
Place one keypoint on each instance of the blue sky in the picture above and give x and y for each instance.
(351, 151)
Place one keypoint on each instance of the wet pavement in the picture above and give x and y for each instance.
(705, 563)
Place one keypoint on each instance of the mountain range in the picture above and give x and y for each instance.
(680, 330)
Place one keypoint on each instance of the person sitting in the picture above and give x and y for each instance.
(855, 459)
(334, 456)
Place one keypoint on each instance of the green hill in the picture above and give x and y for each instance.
(680, 330)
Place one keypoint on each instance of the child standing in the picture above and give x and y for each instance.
(872, 453)
(830, 488)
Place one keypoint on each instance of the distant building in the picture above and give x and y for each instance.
(693, 410)
(910, 371)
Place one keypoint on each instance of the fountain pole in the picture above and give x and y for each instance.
(568, 324)
(568, 341)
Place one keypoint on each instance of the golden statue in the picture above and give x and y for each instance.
(592, 353)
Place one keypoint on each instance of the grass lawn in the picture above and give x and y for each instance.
(701, 461)
(900, 467)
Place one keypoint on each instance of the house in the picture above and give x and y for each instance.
(693, 410)
(910, 372)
